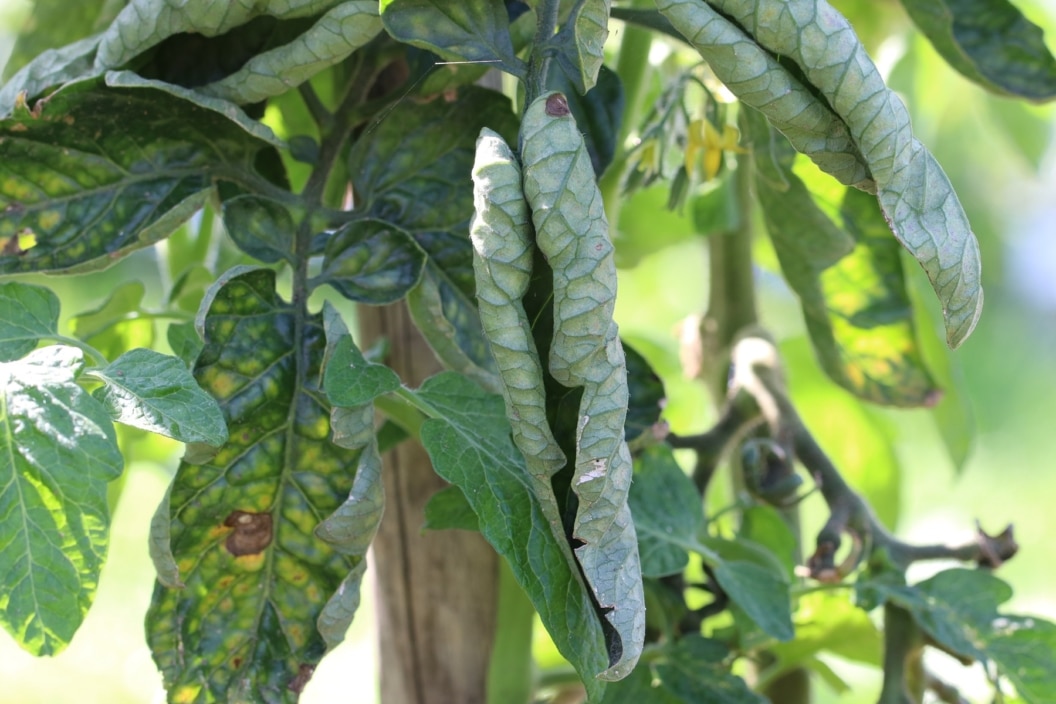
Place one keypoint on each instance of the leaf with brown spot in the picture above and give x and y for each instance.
(251, 534)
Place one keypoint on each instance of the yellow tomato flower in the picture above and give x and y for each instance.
(649, 160)
(704, 140)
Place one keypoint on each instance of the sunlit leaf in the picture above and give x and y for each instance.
(242, 523)
(469, 443)
(89, 193)
(156, 392)
(31, 313)
(838, 256)
(915, 195)
(990, 42)
(58, 451)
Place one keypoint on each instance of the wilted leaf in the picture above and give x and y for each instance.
(468, 440)
(31, 313)
(242, 523)
(599, 113)
(90, 194)
(58, 451)
(156, 393)
(990, 42)
(761, 82)
(334, 37)
(916, 197)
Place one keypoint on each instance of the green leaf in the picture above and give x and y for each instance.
(598, 113)
(116, 325)
(669, 518)
(372, 261)
(958, 608)
(691, 670)
(473, 31)
(667, 512)
(50, 68)
(31, 313)
(448, 509)
(143, 24)
(412, 171)
(763, 83)
(261, 227)
(90, 193)
(647, 397)
(916, 197)
(129, 79)
(56, 23)
(348, 378)
(468, 440)
(828, 623)
(990, 42)
(156, 393)
(581, 43)
(836, 253)
(334, 36)
(184, 341)
(261, 588)
(59, 451)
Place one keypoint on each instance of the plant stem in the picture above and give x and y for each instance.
(547, 13)
(510, 665)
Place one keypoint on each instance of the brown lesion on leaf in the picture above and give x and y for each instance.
(304, 673)
(252, 532)
(557, 106)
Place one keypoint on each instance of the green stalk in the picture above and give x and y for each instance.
(547, 14)
(510, 666)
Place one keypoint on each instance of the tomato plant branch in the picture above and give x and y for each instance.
(547, 14)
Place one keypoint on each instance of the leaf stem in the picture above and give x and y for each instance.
(98, 357)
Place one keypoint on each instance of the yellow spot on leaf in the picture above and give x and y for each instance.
(49, 219)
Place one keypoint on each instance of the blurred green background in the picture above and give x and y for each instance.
(1001, 157)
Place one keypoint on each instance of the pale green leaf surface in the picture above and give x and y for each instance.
(242, 523)
(468, 440)
(372, 261)
(337, 34)
(155, 392)
(142, 24)
(457, 31)
(159, 546)
(126, 300)
(991, 43)
(89, 193)
(830, 623)
(756, 77)
(30, 314)
(129, 79)
(581, 42)
(59, 451)
(52, 67)
(573, 235)
(503, 251)
(916, 196)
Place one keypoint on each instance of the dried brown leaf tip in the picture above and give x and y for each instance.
(251, 535)
(557, 106)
